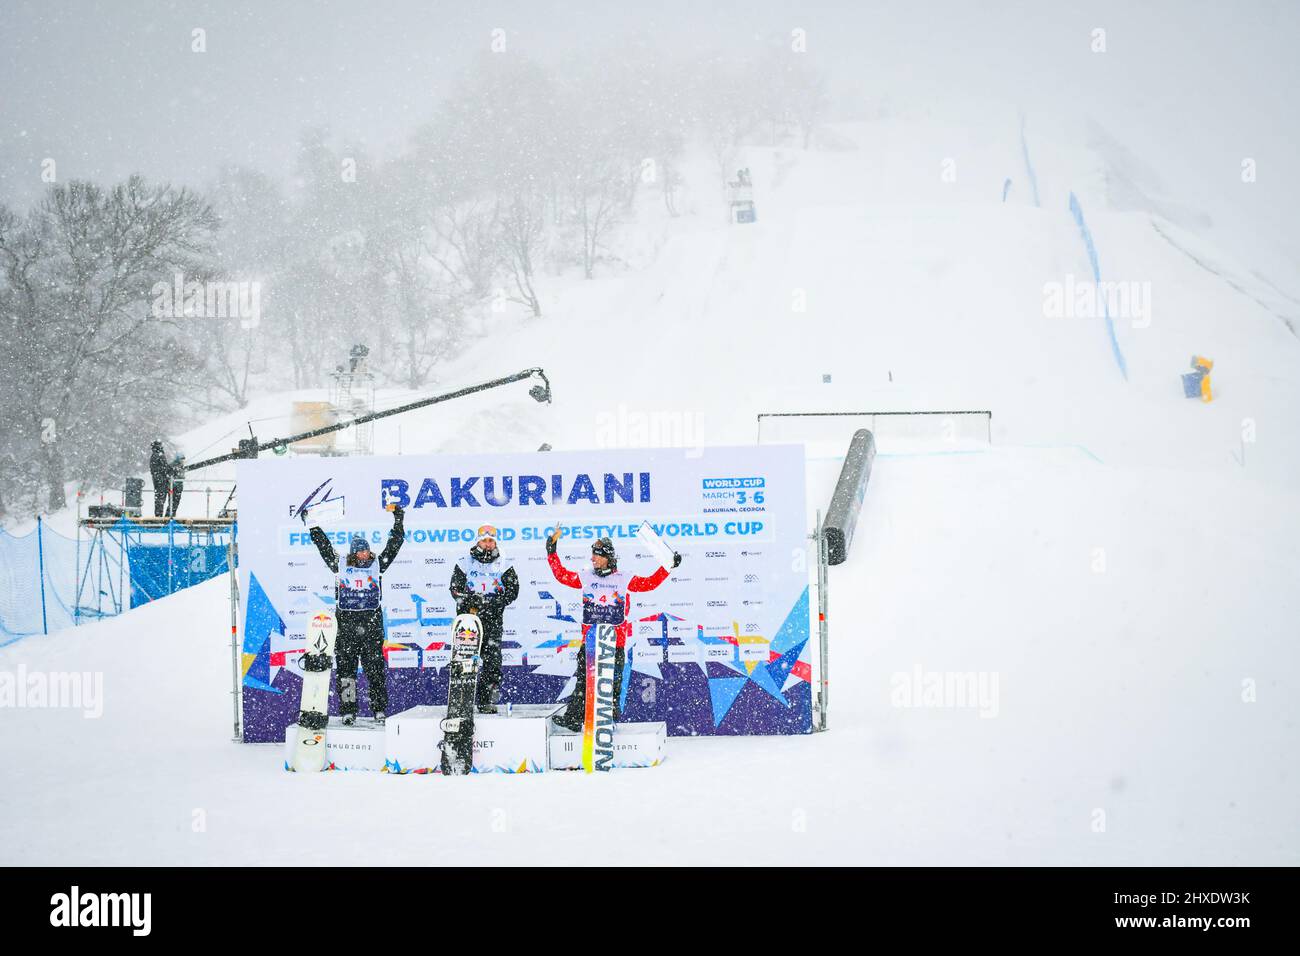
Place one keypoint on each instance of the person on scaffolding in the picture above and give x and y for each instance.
(160, 475)
(176, 484)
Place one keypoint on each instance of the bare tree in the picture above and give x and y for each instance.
(492, 159)
(467, 244)
(228, 351)
(599, 167)
(523, 231)
(254, 246)
(91, 367)
(596, 195)
(727, 112)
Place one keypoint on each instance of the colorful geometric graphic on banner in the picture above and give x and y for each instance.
(721, 647)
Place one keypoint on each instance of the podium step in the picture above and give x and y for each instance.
(518, 739)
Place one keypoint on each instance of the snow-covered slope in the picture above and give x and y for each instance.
(889, 262)
(1109, 559)
(1118, 691)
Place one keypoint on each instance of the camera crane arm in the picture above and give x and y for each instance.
(539, 393)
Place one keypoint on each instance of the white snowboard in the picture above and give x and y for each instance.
(309, 751)
(656, 545)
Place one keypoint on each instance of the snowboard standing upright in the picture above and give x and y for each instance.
(309, 749)
(462, 686)
(656, 545)
(600, 646)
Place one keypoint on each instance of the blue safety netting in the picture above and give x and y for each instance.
(38, 582)
(159, 569)
(49, 581)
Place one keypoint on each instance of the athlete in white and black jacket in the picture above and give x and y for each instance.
(485, 583)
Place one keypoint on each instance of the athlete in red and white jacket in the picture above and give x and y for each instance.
(606, 599)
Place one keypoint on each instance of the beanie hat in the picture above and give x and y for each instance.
(605, 548)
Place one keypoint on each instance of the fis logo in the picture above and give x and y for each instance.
(323, 499)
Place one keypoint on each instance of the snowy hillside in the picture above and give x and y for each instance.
(909, 290)
(1108, 557)
(1118, 691)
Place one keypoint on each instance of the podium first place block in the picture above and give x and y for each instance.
(506, 742)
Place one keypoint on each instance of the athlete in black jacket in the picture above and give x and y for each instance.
(358, 587)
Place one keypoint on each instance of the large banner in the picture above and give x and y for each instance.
(721, 647)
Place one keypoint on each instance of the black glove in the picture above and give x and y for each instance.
(677, 559)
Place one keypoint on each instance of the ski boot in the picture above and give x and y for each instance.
(349, 720)
(380, 718)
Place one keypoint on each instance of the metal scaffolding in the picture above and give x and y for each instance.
(103, 568)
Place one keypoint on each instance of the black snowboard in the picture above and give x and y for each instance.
(458, 725)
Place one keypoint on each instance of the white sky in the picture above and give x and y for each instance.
(107, 89)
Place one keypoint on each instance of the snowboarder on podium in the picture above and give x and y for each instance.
(606, 599)
(359, 593)
(485, 583)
